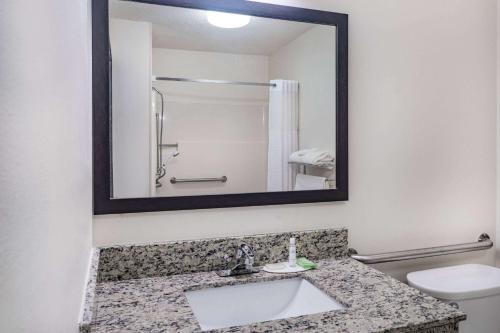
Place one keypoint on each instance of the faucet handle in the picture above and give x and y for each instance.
(243, 258)
(247, 252)
(246, 249)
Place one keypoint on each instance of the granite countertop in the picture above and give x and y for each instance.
(375, 303)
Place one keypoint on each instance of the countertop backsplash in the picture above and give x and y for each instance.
(180, 257)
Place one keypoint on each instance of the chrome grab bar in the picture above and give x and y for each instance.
(484, 242)
(180, 79)
(174, 180)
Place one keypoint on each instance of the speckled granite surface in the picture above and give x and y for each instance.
(375, 303)
(90, 302)
(143, 261)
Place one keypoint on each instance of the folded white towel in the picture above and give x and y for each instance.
(306, 182)
(314, 156)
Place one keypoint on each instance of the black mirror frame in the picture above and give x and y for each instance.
(101, 130)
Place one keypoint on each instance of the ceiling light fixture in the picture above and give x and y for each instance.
(227, 20)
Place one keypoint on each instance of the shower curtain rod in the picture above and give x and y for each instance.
(178, 79)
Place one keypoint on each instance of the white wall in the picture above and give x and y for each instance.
(498, 136)
(45, 169)
(421, 137)
(221, 129)
(315, 72)
(131, 50)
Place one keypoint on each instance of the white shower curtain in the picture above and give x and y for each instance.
(283, 134)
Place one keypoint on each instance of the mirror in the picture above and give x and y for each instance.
(206, 102)
(237, 98)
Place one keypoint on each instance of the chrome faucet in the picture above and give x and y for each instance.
(242, 262)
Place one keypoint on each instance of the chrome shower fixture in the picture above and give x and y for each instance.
(160, 166)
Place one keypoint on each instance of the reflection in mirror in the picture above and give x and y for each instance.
(216, 103)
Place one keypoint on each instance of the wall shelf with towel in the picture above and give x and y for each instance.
(309, 164)
(313, 157)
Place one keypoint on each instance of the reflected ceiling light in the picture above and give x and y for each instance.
(227, 20)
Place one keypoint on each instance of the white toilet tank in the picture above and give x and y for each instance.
(475, 289)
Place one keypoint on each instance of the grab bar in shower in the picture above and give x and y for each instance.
(174, 180)
(484, 242)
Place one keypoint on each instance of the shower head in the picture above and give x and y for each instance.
(175, 154)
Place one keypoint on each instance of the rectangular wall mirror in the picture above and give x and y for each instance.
(205, 104)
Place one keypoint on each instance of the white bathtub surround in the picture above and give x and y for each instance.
(222, 125)
(283, 134)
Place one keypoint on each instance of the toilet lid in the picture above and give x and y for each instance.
(457, 282)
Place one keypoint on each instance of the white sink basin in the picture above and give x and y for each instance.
(256, 302)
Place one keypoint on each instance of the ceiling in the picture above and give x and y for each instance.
(188, 29)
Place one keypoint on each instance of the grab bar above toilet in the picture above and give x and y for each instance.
(484, 242)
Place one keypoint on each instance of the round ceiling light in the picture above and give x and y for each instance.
(227, 20)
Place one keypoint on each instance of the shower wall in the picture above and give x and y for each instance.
(221, 129)
(295, 61)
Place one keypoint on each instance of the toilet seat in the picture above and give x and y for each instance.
(457, 282)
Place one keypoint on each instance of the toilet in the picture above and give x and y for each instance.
(473, 288)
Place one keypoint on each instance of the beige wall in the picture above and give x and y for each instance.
(315, 72)
(221, 129)
(421, 137)
(45, 168)
(498, 136)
